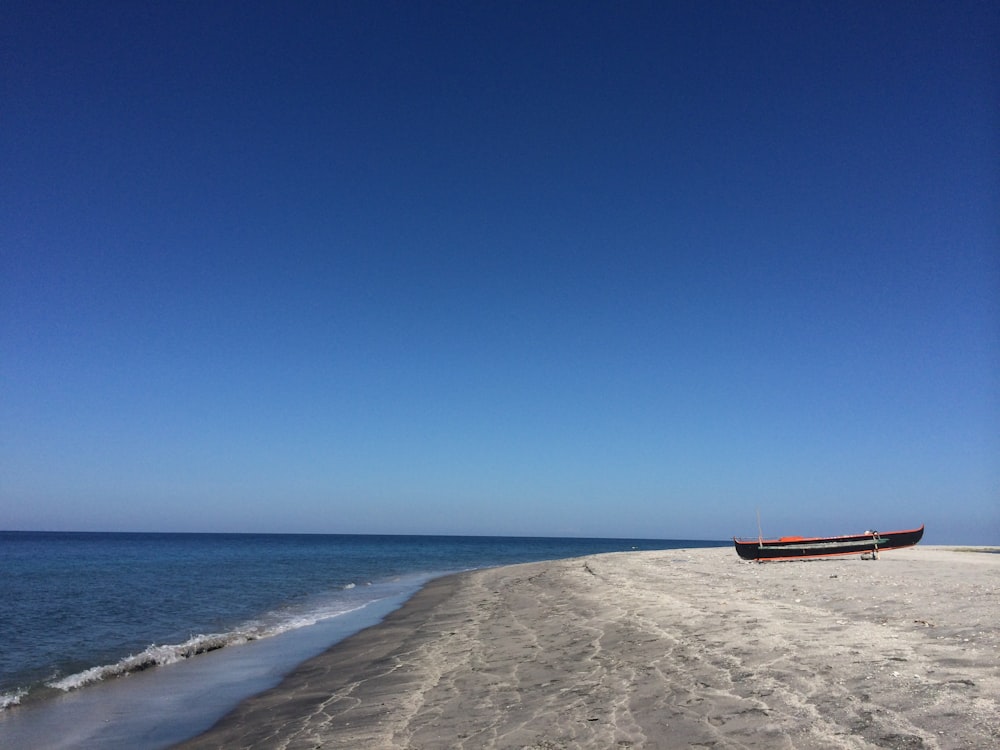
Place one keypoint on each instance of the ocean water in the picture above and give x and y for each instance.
(140, 640)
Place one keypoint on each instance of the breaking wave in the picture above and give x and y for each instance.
(161, 655)
(11, 699)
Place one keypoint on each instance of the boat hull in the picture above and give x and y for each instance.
(804, 548)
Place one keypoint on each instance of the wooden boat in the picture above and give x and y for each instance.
(804, 548)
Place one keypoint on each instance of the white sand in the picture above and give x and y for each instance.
(671, 649)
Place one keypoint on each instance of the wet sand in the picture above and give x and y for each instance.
(670, 649)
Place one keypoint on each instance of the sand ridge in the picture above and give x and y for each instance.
(669, 649)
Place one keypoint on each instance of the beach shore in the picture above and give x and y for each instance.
(669, 649)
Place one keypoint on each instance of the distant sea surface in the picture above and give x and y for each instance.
(180, 627)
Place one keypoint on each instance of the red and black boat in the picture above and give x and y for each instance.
(800, 548)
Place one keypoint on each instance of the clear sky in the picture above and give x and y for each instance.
(588, 269)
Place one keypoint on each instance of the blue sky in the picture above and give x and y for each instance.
(589, 269)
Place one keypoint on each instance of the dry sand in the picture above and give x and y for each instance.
(671, 649)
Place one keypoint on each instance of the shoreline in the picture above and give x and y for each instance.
(674, 648)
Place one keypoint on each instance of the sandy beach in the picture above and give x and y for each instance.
(670, 649)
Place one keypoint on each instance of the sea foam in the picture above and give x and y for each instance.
(12, 699)
(161, 655)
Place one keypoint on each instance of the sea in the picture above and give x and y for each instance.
(139, 641)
